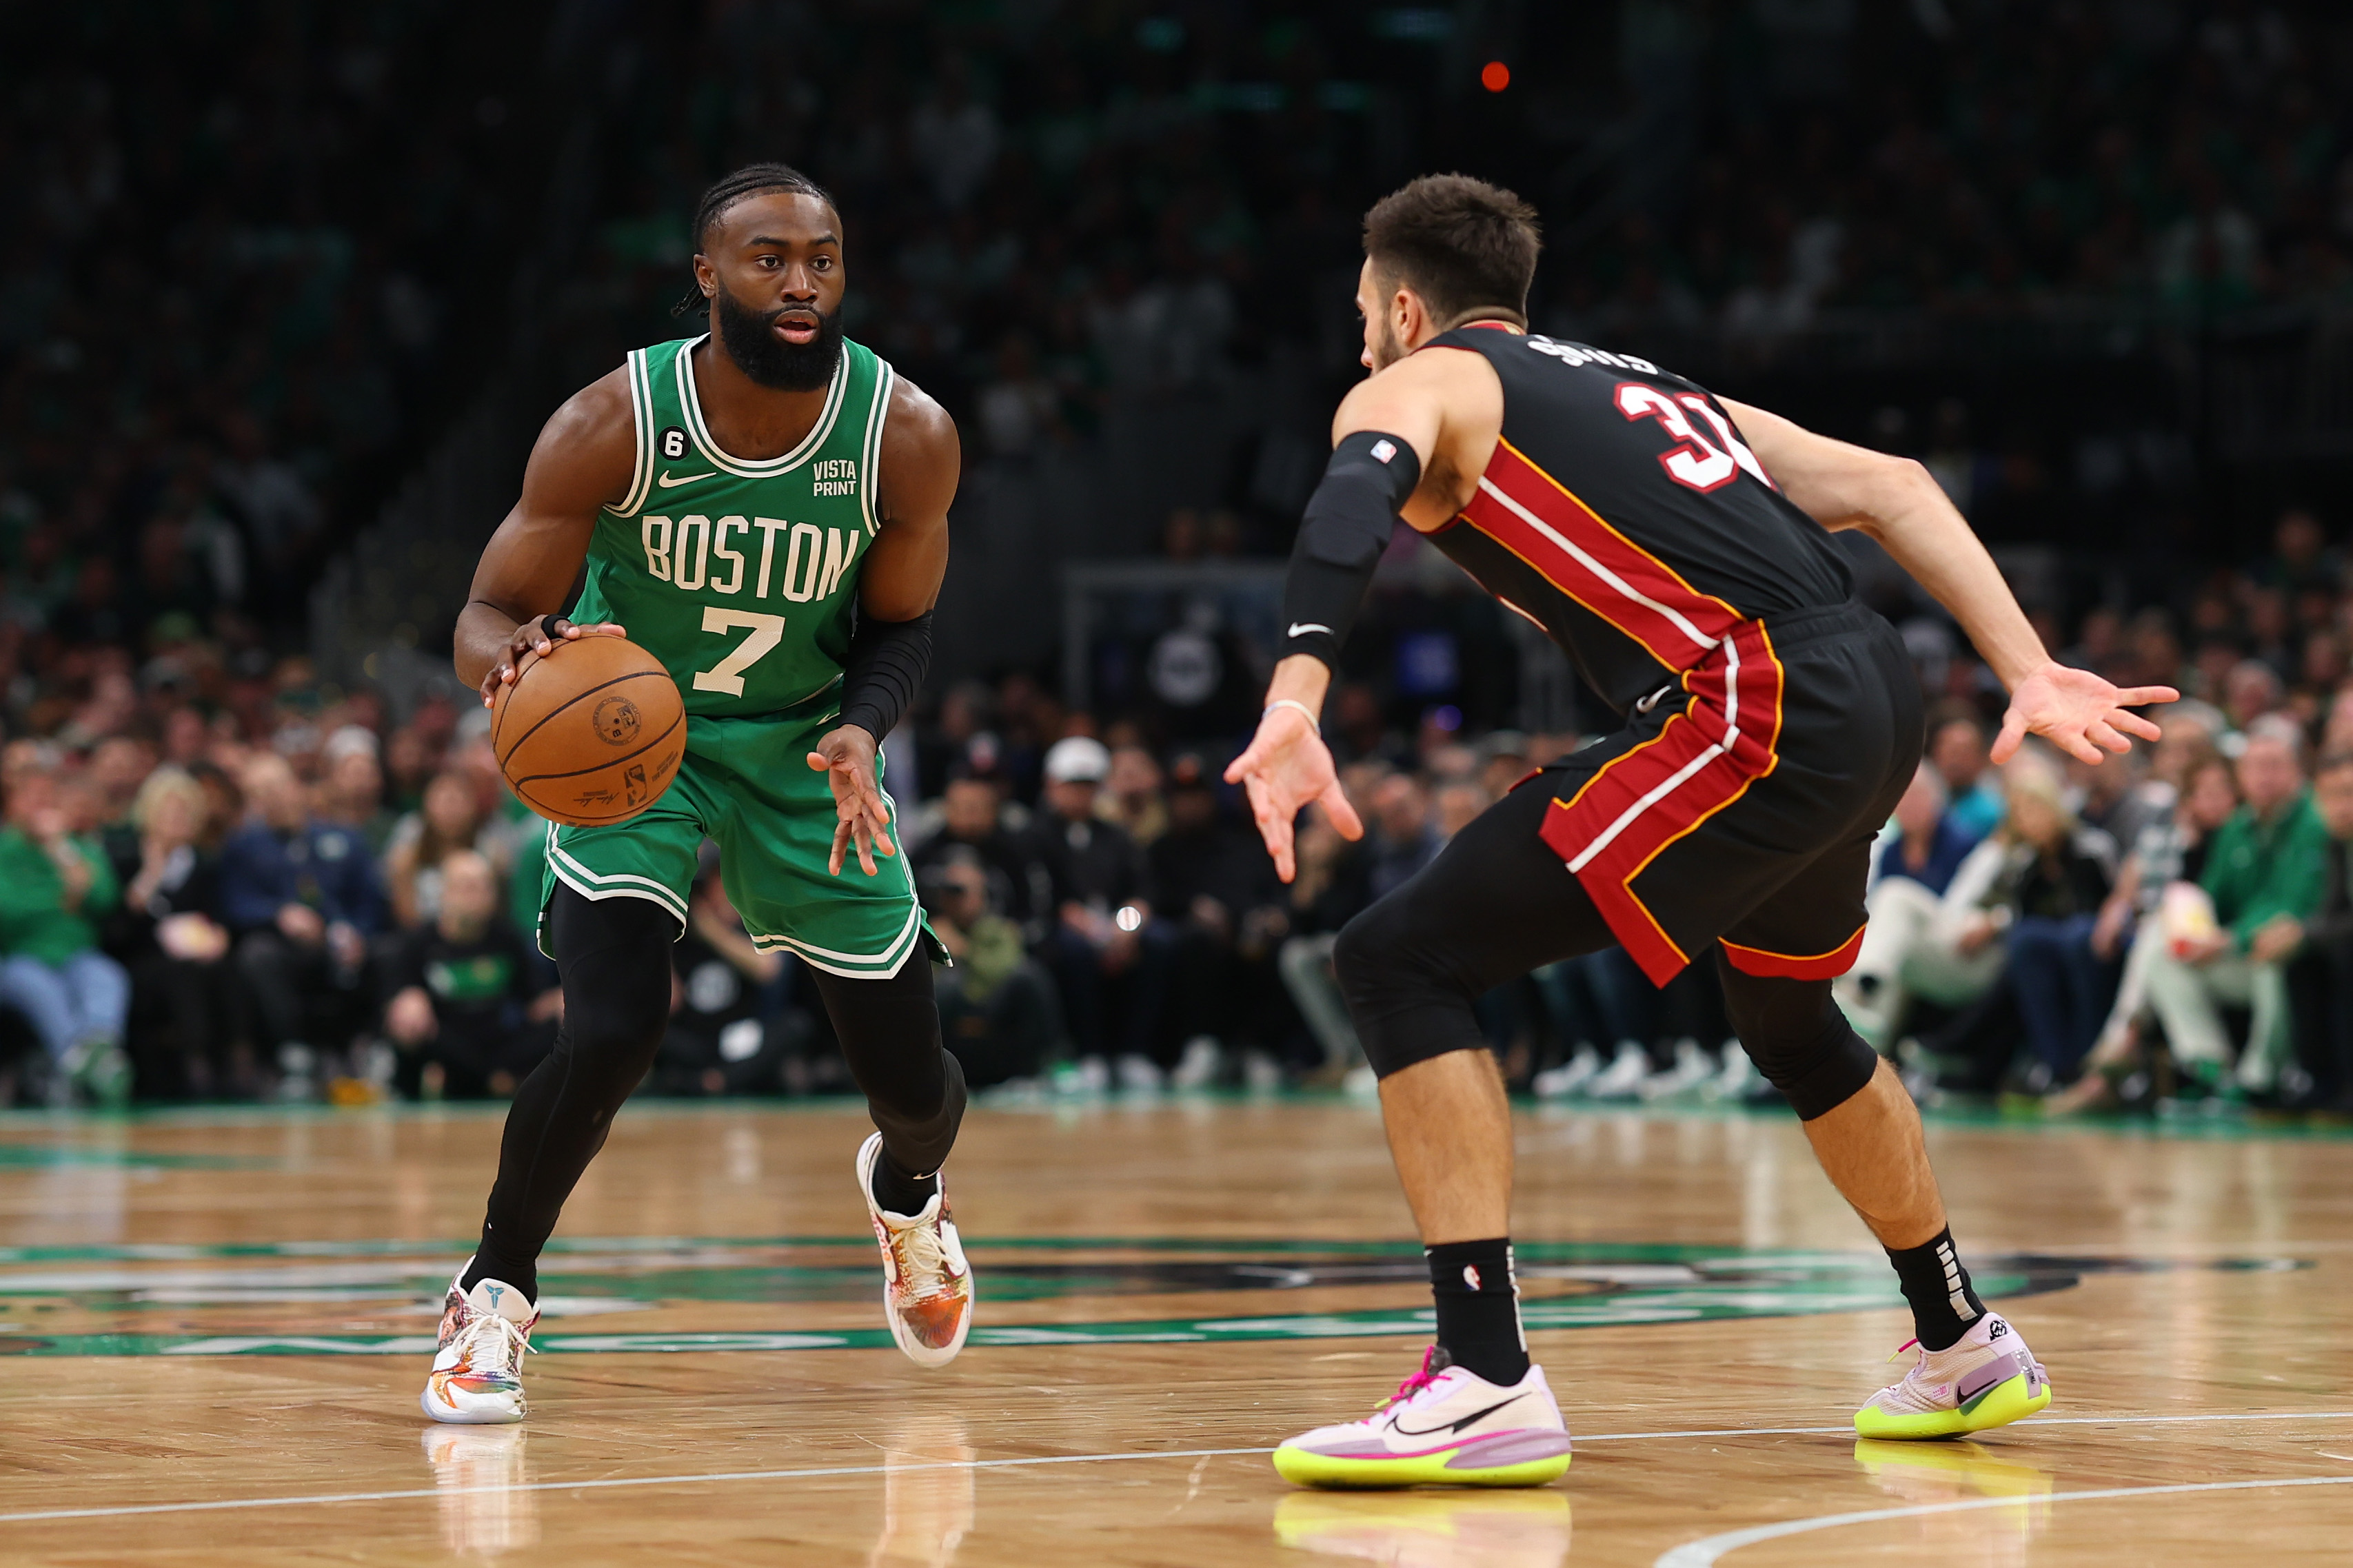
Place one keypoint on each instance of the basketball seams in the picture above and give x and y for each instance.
(569, 703)
(518, 784)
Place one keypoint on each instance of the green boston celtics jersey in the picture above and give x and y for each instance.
(739, 574)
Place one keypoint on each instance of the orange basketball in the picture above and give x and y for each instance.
(592, 734)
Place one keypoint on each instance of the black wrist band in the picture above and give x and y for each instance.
(884, 671)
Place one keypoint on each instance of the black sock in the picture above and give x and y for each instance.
(899, 1193)
(1479, 1307)
(489, 1264)
(1944, 1304)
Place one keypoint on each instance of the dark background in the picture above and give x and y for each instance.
(286, 290)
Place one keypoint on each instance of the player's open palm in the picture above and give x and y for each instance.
(2079, 712)
(846, 757)
(1286, 766)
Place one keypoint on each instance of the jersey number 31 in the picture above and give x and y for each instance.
(1694, 461)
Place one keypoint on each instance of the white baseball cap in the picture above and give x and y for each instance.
(1078, 759)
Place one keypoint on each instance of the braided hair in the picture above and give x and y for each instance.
(752, 179)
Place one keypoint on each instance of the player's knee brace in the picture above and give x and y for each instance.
(1404, 1008)
(1798, 1040)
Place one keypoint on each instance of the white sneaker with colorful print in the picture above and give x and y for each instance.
(477, 1378)
(926, 1283)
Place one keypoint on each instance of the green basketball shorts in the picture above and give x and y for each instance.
(747, 783)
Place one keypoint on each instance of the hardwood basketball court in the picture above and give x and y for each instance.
(216, 1325)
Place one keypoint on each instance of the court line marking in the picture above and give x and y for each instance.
(1705, 1553)
(2038, 1421)
(217, 1505)
(609, 1482)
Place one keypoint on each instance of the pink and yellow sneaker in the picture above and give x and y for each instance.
(1446, 1425)
(477, 1377)
(1988, 1379)
(926, 1283)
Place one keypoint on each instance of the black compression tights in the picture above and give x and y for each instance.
(614, 956)
(1496, 904)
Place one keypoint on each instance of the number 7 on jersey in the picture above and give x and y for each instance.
(727, 675)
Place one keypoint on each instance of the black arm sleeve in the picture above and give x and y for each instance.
(884, 671)
(1346, 526)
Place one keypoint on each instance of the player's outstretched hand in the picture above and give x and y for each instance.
(2082, 714)
(536, 638)
(1286, 766)
(846, 757)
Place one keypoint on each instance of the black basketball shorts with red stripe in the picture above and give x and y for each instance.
(1735, 810)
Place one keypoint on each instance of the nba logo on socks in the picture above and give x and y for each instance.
(1471, 1274)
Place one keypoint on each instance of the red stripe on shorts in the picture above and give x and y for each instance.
(1640, 802)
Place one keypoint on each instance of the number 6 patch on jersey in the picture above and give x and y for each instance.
(740, 574)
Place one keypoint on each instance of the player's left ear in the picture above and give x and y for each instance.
(1410, 318)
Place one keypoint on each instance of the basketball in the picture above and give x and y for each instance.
(591, 733)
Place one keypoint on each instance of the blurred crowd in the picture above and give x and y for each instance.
(1057, 208)
(251, 889)
(222, 876)
(2174, 926)
(1975, 156)
(1082, 200)
(224, 885)
(241, 289)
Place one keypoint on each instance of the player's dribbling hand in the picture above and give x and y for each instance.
(1286, 766)
(846, 756)
(533, 639)
(2082, 714)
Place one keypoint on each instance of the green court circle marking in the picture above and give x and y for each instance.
(1565, 1285)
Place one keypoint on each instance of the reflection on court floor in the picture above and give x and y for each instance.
(214, 1328)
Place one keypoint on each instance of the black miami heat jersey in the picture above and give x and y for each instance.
(1623, 514)
(1770, 720)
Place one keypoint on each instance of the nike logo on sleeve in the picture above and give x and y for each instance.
(1301, 628)
(670, 481)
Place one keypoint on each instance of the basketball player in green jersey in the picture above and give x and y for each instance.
(764, 510)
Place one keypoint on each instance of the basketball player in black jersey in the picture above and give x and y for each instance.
(1677, 545)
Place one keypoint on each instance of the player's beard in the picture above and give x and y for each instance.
(1388, 348)
(751, 341)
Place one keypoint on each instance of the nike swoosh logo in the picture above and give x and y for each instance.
(669, 482)
(1406, 1431)
(1301, 628)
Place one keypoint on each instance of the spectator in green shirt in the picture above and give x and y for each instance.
(53, 887)
(2266, 873)
(997, 1009)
